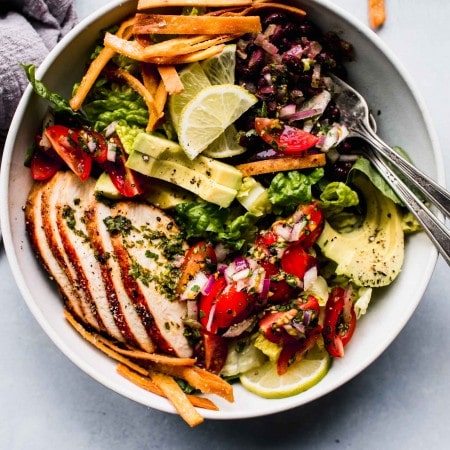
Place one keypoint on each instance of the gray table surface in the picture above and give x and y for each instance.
(400, 402)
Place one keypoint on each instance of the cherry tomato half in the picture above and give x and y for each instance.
(124, 179)
(65, 142)
(339, 322)
(44, 165)
(215, 351)
(224, 306)
(284, 138)
(296, 261)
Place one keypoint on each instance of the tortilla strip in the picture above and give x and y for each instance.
(206, 382)
(177, 397)
(154, 84)
(282, 164)
(169, 48)
(148, 385)
(170, 78)
(261, 5)
(147, 4)
(377, 13)
(175, 24)
(189, 57)
(145, 356)
(97, 65)
(140, 89)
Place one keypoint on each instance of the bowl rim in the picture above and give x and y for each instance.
(28, 296)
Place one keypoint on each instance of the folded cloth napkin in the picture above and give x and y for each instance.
(29, 29)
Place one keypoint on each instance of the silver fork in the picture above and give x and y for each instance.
(355, 115)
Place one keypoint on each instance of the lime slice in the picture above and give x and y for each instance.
(220, 68)
(194, 80)
(302, 375)
(226, 145)
(209, 114)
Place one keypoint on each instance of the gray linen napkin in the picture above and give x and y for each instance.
(29, 29)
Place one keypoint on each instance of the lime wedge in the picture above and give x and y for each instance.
(209, 114)
(194, 80)
(226, 145)
(220, 68)
(302, 375)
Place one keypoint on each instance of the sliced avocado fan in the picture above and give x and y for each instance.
(372, 254)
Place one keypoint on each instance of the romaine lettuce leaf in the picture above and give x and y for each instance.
(205, 220)
(288, 189)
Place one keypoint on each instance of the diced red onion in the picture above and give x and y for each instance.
(212, 312)
(237, 329)
(111, 154)
(309, 277)
(110, 129)
(207, 287)
(307, 314)
(296, 231)
(241, 263)
(287, 110)
(265, 290)
(302, 115)
(282, 230)
(92, 146)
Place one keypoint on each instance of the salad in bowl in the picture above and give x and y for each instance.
(197, 204)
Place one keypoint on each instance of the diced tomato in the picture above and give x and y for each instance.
(224, 306)
(215, 352)
(340, 322)
(279, 290)
(95, 144)
(296, 261)
(284, 138)
(44, 165)
(207, 304)
(294, 351)
(271, 326)
(199, 258)
(65, 142)
(314, 226)
(124, 179)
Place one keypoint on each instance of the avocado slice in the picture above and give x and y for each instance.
(194, 181)
(164, 149)
(372, 254)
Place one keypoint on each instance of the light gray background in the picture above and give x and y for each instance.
(400, 402)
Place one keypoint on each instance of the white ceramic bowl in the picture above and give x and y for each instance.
(403, 121)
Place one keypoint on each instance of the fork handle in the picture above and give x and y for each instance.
(434, 192)
(435, 229)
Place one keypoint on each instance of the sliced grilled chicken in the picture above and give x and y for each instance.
(147, 246)
(49, 206)
(70, 216)
(121, 304)
(115, 266)
(35, 230)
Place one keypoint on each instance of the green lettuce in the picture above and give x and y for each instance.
(288, 189)
(205, 220)
(112, 102)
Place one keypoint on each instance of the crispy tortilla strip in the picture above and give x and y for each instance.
(261, 5)
(201, 379)
(170, 78)
(93, 339)
(154, 357)
(189, 57)
(282, 164)
(377, 13)
(175, 24)
(150, 77)
(177, 397)
(97, 65)
(147, 4)
(140, 89)
(169, 48)
(153, 83)
(148, 385)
